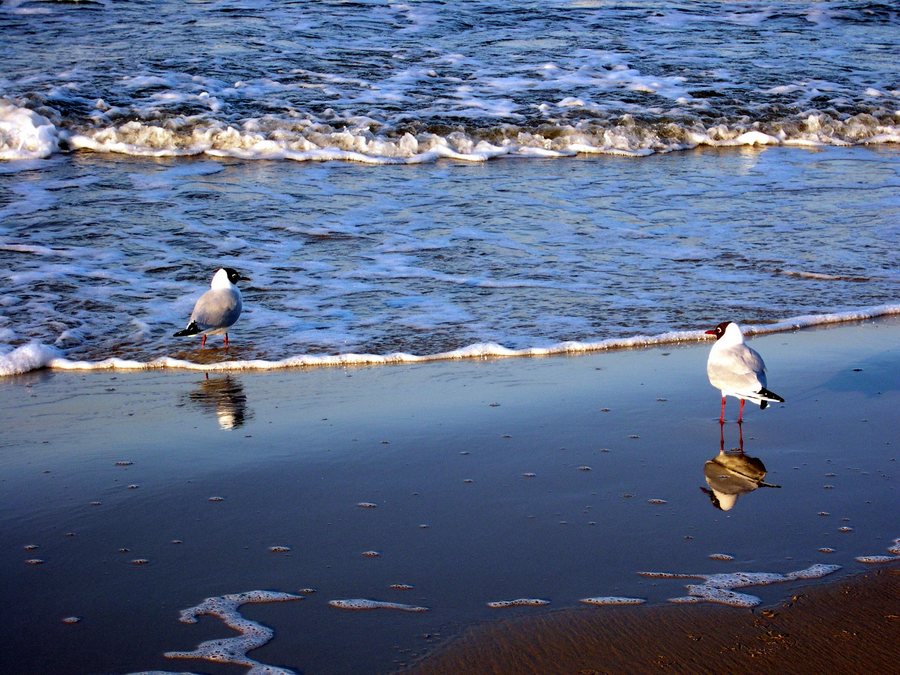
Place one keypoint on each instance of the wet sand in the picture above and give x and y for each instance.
(851, 626)
(145, 493)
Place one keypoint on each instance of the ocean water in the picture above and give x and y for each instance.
(546, 177)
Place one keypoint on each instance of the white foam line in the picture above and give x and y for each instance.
(35, 136)
(252, 634)
(34, 355)
(719, 588)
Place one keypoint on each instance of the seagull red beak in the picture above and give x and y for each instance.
(710, 332)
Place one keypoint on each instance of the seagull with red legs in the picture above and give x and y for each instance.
(218, 308)
(737, 370)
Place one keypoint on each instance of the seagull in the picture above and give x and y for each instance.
(737, 370)
(218, 308)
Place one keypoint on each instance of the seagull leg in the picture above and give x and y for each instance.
(203, 341)
(741, 413)
(722, 414)
(226, 339)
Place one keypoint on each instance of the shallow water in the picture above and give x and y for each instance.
(105, 257)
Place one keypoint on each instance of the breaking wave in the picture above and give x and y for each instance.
(25, 134)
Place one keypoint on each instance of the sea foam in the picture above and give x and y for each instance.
(32, 356)
(24, 134)
(719, 588)
(253, 635)
(315, 141)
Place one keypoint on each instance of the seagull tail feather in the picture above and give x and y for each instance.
(768, 396)
(191, 329)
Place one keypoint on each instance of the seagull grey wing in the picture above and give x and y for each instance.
(217, 308)
(755, 365)
(735, 370)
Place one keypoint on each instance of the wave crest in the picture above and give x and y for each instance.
(368, 141)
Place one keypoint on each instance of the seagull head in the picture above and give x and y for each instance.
(729, 329)
(226, 276)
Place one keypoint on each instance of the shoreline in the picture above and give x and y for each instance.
(36, 356)
(847, 625)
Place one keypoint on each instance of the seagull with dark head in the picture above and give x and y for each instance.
(737, 370)
(218, 308)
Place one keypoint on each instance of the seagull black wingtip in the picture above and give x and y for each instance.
(771, 394)
(192, 329)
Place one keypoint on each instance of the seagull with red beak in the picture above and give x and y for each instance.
(737, 370)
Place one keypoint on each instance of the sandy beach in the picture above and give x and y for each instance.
(129, 497)
(846, 627)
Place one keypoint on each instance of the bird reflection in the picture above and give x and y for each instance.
(732, 473)
(225, 397)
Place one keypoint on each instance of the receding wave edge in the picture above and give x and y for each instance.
(35, 356)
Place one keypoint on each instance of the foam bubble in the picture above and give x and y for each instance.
(363, 604)
(518, 602)
(876, 559)
(252, 634)
(612, 600)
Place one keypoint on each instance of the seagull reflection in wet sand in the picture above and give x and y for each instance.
(224, 397)
(731, 474)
